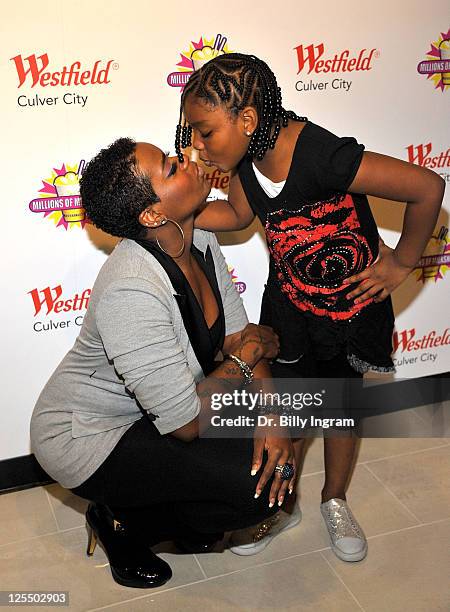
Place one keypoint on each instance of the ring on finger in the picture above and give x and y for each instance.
(286, 470)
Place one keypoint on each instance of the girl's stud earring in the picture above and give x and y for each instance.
(248, 133)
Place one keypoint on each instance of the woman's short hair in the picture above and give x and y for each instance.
(114, 192)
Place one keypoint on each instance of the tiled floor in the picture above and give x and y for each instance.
(400, 493)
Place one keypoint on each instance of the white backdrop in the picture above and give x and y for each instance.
(364, 69)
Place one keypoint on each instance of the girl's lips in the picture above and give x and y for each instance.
(211, 164)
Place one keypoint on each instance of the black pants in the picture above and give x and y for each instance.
(204, 485)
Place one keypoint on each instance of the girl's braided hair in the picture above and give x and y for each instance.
(235, 80)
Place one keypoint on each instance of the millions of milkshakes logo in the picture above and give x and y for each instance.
(196, 56)
(59, 198)
(192, 59)
(437, 63)
(240, 285)
(435, 261)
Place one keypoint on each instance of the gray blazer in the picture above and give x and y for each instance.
(132, 346)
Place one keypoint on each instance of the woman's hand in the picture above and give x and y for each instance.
(258, 342)
(278, 444)
(380, 279)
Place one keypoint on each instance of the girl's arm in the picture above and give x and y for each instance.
(422, 190)
(222, 215)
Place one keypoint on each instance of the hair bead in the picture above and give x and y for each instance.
(235, 80)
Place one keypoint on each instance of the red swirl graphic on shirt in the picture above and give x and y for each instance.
(315, 249)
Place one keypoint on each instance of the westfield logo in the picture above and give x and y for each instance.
(312, 57)
(422, 155)
(51, 300)
(406, 340)
(34, 68)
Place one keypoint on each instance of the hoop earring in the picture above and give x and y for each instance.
(181, 251)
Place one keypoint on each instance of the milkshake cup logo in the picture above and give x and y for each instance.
(435, 261)
(437, 63)
(195, 57)
(60, 200)
(444, 52)
(240, 285)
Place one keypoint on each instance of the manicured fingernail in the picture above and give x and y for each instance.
(271, 504)
(253, 472)
(256, 495)
(280, 501)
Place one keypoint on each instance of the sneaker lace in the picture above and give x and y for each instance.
(341, 520)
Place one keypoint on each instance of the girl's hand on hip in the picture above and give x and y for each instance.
(280, 450)
(380, 279)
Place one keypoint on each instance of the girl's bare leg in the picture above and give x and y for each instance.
(339, 454)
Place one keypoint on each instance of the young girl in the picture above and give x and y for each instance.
(330, 275)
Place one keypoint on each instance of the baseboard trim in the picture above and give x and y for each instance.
(21, 473)
(25, 472)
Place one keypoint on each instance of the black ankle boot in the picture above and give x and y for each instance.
(132, 562)
(197, 543)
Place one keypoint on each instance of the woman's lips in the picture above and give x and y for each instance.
(199, 172)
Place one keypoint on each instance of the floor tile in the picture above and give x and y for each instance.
(313, 456)
(68, 508)
(420, 481)
(438, 416)
(372, 449)
(375, 508)
(369, 449)
(398, 424)
(25, 514)
(59, 562)
(299, 584)
(407, 570)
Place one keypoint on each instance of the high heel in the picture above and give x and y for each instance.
(92, 541)
(131, 561)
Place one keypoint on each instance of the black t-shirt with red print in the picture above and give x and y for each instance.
(318, 235)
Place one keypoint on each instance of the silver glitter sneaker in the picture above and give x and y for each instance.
(252, 540)
(348, 541)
